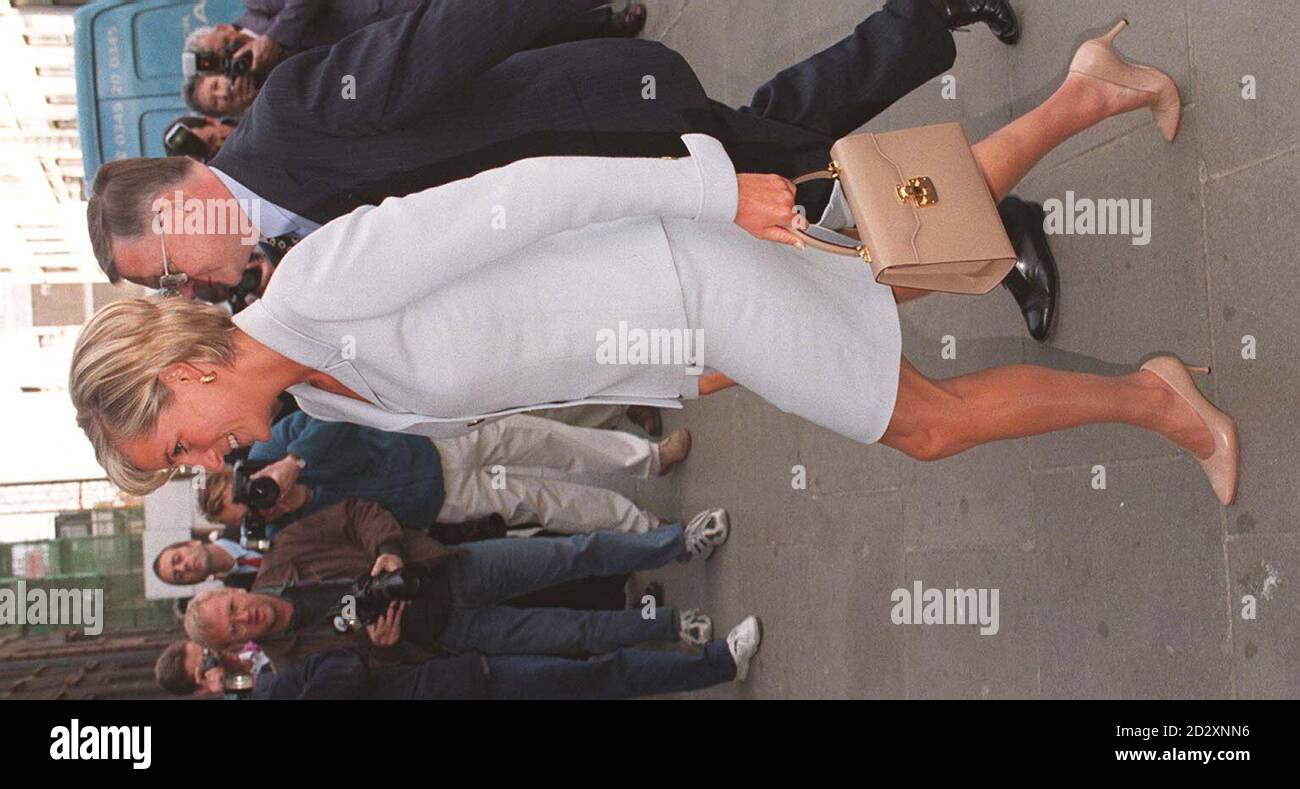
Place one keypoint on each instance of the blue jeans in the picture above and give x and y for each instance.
(492, 571)
(622, 674)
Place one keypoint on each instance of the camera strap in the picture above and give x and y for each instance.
(276, 248)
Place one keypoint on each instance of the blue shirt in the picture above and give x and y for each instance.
(398, 471)
(272, 220)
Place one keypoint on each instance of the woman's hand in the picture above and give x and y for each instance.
(766, 208)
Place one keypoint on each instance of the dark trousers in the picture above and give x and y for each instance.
(793, 119)
(596, 23)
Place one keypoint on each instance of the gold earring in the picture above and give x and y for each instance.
(208, 378)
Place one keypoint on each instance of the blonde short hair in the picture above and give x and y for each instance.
(116, 364)
(212, 496)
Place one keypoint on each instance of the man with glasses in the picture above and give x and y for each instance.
(340, 127)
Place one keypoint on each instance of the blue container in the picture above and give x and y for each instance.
(128, 66)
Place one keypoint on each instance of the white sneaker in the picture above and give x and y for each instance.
(694, 628)
(742, 642)
(707, 531)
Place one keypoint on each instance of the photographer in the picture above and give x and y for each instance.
(186, 668)
(610, 593)
(461, 596)
(316, 463)
(621, 674)
(224, 68)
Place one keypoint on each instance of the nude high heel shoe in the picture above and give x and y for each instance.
(1098, 59)
(1221, 465)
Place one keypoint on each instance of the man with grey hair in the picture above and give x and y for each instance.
(349, 125)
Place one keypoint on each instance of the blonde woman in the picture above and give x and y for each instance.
(393, 316)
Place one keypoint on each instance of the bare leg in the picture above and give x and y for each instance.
(936, 419)
(1006, 155)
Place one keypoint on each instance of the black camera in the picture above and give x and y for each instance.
(179, 140)
(257, 494)
(260, 493)
(236, 684)
(252, 532)
(223, 62)
(182, 138)
(247, 291)
(372, 594)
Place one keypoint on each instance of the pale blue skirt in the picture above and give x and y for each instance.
(810, 332)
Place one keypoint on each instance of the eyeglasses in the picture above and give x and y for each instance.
(169, 283)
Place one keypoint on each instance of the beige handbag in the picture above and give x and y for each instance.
(923, 210)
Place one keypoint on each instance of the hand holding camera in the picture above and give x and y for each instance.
(387, 629)
(262, 53)
(373, 599)
(283, 474)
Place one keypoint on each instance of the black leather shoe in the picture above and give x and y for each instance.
(997, 14)
(1033, 281)
(629, 22)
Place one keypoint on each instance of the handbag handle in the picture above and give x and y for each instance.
(817, 243)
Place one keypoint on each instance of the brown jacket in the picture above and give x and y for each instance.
(337, 545)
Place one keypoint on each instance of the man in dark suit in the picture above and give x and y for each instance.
(271, 30)
(297, 25)
(341, 127)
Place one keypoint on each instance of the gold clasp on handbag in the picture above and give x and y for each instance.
(918, 191)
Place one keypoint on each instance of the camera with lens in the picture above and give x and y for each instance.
(371, 596)
(236, 684)
(220, 62)
(247, 291)
(180, 140)
(252, 532)
(259, 493)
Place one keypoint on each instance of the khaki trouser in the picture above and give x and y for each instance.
(524, 468)
(608, 417)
